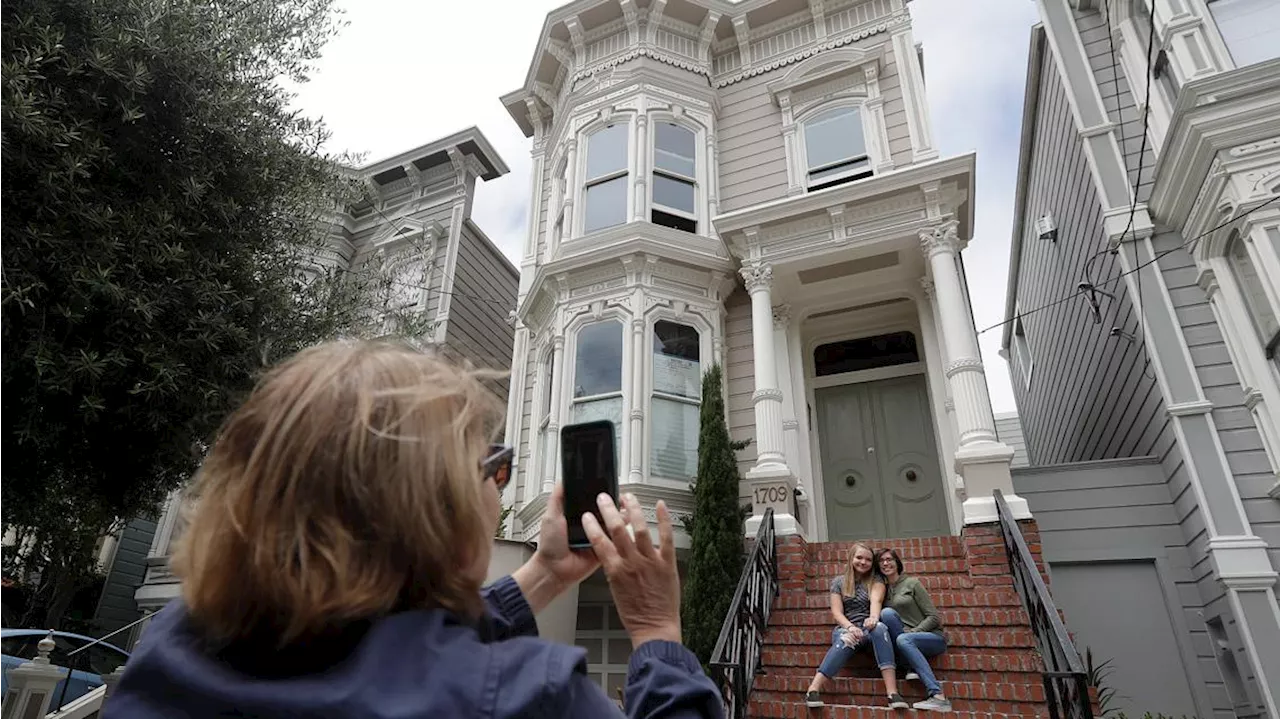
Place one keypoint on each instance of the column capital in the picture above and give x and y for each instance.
(757, 276)
(943, 237)
(781, 316)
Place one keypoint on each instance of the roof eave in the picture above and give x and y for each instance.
(1030, 108)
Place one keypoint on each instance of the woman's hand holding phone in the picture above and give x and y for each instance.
(642, 578)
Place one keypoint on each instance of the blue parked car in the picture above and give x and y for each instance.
(19, 645)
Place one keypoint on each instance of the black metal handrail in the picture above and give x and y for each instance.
(736, 659)
(1066, 683)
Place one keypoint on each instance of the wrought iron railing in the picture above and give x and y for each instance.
(736, 659)
(1066, 684)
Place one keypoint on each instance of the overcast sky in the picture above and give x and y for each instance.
(404, 73)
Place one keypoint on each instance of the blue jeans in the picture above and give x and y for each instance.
(839, 654)
(915, 648)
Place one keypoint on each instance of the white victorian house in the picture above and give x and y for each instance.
(753, 184)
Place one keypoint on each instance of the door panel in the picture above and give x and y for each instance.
(908, 460)
(850, 472)
(879, 463)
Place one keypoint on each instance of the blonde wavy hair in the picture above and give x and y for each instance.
(346, 487)
(851, 579)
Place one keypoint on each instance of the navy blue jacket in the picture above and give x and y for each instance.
(404, 666)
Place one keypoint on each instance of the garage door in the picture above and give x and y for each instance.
(600, 632)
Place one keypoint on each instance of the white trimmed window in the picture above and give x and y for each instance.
(1022, 350)
(1263, 316)
(548, 399)
(605, 178)
(675, 172)
(1249, 29)
(835, 148)
(676, 401)
(597, 375)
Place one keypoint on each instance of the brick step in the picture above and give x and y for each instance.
(957, 638)
(976, 598)
(947, 565)
(788, 659)
(1000, 688)
(931, 582)
(926, 548)
(793, 709)
(878, 699)
(958, 618)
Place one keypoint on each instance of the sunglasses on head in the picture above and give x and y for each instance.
(497, 465)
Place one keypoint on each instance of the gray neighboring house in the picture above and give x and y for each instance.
(1151, 425)
(442, 264)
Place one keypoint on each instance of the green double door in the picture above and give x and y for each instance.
(879, 460)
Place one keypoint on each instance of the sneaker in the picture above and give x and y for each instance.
(897, 702)
(813, 700)
(936, 703)
(909, 676)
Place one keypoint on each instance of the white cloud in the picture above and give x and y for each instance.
(406, 73)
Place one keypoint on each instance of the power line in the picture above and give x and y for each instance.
(1158, 256)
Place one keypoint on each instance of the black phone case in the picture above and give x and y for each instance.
(611, 480)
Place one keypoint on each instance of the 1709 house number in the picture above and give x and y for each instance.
(776, 494)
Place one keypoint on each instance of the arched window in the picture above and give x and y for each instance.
(835, 148)
(1255, 296)
(605, 178)
(676, 401)
(597, 374)
(675, 175)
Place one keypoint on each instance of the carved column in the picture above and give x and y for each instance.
(981, 459)
(935, 360)
(641, 173)
(637, 442)
(767, 398)
(570, 186)
(770, 482)
(551, 470)
(786, 380)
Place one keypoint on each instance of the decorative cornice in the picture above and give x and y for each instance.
(757, 277)
(940, 238)
(886, 25)
(766, 395)
(964, 364)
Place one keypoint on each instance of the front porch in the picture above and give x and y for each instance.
(854, 366)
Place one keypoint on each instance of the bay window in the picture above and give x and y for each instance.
(1254, 292)
(835, 148)
(676, 400)
(597, 375)
(605, 178)
(674, 177)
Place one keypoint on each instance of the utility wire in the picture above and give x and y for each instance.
(1158, 256)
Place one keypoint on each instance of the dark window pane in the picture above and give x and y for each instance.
(606, 204)
(675, 222)
(676, 355)
(598, 369)
(673, 149)
(676, 194)
(865, 353)
(607, 151)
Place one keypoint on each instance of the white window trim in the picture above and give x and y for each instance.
(866, 96)
(700, 214)
(1133, 63)
(570, 379)
(704, 354)
(544, 402)
(1258, 376)
(580, 171)
(803, 147)
(1022, 348)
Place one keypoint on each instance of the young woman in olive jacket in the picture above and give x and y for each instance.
(914, 625)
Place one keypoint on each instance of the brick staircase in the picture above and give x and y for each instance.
(990, 669)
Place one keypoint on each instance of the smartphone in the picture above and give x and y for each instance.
(589, 464)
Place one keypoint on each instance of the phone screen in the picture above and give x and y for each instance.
(588, 456)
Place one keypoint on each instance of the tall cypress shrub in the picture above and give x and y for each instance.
(716, 536)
